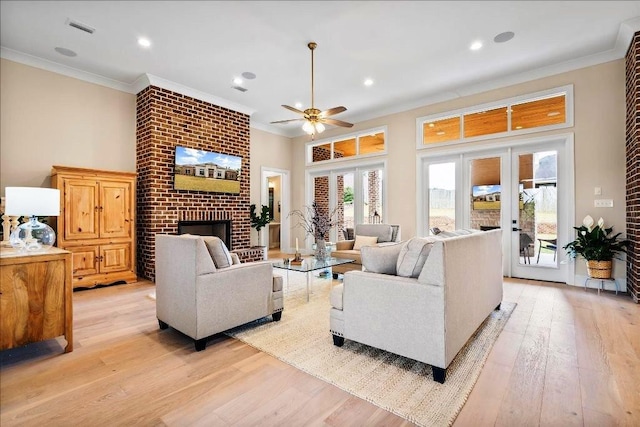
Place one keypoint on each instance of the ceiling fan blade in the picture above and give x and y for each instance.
(287, 121)
(295, 110)
(336, 122)
(332, 111)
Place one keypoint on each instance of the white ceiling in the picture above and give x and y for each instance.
(417, 52)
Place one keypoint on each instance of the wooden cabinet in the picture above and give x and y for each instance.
(36, 297)
(97, 223)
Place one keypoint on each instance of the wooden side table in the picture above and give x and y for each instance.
(36, 297)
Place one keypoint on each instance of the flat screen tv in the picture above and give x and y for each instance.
(200, 170)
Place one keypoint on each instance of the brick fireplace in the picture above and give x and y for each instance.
(633, 165)
(166, 119)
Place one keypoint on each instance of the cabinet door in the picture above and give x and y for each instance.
(80, 209)
(84, 259)
(115, 209)
(115, 257)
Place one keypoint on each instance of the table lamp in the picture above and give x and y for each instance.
(33, 235)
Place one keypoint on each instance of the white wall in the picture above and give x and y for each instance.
(49, 119)
(599, 129)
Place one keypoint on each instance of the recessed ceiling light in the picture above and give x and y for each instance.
(368, 82)
(504, 37)
(144, 42)
(66, 52)
(440, 133)
(237, 81)
(476, 45)
(518, 127)
(298, 105)
(553, 113)
(248, 75)
(431, 125)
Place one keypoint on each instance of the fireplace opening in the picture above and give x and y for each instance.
(218, 228)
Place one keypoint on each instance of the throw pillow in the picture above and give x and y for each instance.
(413, 256)
(364, 241)
(381, 259)
(218, 250)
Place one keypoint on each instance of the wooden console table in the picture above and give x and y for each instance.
(36, 297)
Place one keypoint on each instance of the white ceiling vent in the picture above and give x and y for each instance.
(80, 26)
(240, 88)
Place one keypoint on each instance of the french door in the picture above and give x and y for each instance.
(525, 189)
(355, 194)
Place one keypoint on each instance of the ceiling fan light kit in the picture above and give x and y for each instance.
(314, 119)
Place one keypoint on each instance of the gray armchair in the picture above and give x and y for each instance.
(385, 233)
(202, 289)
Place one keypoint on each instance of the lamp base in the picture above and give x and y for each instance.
(32, 236)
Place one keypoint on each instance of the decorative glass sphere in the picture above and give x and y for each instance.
(33, 236)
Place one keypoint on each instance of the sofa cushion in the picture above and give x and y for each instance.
(381, 259)
(219, 252)
(413, 255)
(364, 241)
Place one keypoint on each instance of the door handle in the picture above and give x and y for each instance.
(516, 229)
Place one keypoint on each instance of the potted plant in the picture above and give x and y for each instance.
(597, 246)
(258, 222)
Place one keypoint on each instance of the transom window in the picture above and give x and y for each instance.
(351, 146)
(551, 109)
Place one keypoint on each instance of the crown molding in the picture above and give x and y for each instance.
(139, 84)
(195, 93)
(54, 67)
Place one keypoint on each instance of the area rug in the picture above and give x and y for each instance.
(397, 384)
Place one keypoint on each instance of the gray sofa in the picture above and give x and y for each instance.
(385, 233)
(422, 299)
(202, 289)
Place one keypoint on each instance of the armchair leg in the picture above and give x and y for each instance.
(439, 374)
(200, 344)
(498, 306)
(338, 341)
(162, 324)
(335, 276)
(277, 316)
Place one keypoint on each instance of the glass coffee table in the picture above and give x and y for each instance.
(309, 265)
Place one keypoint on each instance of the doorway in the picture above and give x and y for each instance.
(276, 195)
(525, 189)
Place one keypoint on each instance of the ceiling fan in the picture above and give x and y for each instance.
(313, 117)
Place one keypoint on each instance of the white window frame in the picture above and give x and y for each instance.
(460, 113)
(338, 138)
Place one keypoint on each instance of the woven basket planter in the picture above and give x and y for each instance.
(599, 269)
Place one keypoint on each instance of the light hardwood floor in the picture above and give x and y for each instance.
(566, 357)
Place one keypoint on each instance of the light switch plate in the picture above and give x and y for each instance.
(597, 191)
(603, 203)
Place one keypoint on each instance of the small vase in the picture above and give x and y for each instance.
(321, 249)
(599, 269)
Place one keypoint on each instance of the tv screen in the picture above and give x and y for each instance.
(200, 170)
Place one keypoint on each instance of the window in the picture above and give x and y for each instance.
(536, 112)
(441, 130)
(366, 143)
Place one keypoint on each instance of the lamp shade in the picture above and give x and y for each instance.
(32, 201)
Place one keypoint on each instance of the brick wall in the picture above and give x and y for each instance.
(633, 165)
(166, 119)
